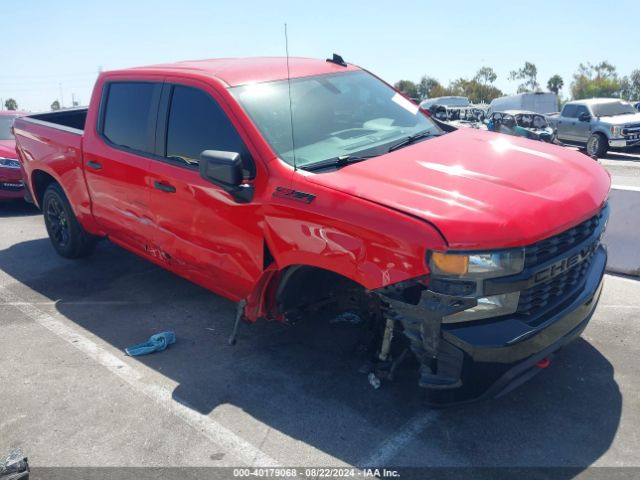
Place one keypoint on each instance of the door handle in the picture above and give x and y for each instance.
(165, 187)
(94, 165)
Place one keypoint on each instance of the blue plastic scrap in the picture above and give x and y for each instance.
(156, 343)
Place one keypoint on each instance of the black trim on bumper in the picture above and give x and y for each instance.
(501, 355)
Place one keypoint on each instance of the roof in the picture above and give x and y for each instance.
(240, 71)
(596, 101)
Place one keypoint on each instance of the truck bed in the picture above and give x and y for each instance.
(50, 144)
(72, 118)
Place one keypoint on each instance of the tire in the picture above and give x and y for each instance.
(597, 145)
(67, 236)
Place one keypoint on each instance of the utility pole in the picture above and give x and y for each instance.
(61, 98)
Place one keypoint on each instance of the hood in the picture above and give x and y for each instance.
(8, 149)
(481, 189)
(622, 119)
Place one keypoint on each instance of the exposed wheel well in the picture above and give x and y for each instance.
(303, 287)
(40, 181)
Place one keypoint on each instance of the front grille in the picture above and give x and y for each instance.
(11, 186)
(552, 294)
(631, 129)
(553, 247)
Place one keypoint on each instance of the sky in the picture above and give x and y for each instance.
(53, 49)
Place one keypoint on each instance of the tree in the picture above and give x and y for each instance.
(474, 90)
(55, 105)
(427, 87)
(485, 76)
(529, 76)
(600, 80)
(407, 87)
(555, 84)
(630, 86)
(11, 104)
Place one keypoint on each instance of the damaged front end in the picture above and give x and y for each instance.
(482, 323)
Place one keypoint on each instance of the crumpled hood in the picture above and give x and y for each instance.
(8, 148)
(481, 189)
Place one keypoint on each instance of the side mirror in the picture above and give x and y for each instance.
(225, 170)
(584, 117)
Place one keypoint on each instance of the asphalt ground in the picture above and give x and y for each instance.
(285, 396)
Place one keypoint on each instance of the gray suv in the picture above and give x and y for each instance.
(597, 124)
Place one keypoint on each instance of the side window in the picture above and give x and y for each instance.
(196, 123)
(570, 111)
(129, 114)
(581, 109)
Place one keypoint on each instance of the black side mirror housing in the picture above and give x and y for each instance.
(584, 117)
(225, 170)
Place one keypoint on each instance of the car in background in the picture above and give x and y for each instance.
(11, 183)
(537, 102)
(597, 124)
(522, 124)
(637, 105)
(450, 101)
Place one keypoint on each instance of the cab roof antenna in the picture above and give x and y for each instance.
(338, 60)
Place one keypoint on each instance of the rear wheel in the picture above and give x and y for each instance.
(65, 232)
(597, 145)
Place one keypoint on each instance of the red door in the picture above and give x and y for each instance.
(204, 234)
(117, 161)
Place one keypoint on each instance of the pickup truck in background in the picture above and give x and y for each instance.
(476, 252)
(597, 125)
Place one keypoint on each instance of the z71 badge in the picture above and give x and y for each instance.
(296, 196)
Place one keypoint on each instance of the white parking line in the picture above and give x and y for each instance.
(400, 439)
(222, 436)
(626, 187)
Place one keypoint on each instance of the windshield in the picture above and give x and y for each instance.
(338, 115)
(5, 127)
(613, 108)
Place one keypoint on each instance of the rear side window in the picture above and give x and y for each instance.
(197, 123)
(570, 111)
(130, 114)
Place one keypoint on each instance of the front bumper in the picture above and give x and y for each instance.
(11, 183)
(624, 143)
(480, 359)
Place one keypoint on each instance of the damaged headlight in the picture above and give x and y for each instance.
(463, 274)
(493, 306)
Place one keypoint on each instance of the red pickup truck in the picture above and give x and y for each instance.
(320, 186)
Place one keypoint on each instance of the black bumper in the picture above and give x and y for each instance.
(495, 357)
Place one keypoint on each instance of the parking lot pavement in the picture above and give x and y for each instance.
(283, 395)
(624, 168)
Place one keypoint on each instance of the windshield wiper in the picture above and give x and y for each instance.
(338, 161)
(412, 138)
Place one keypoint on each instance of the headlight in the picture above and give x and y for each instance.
(9, 163)
(493, 306)
(463, 274)
(477, 265)
(616, 131)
